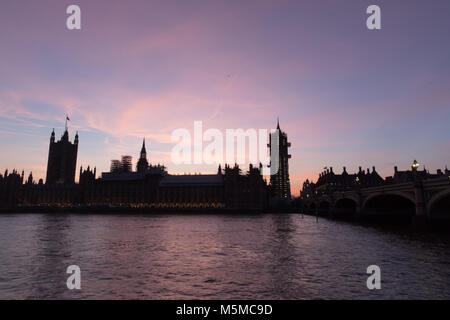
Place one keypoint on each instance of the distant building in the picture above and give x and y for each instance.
(344, 181)
(280, 185)
(10, 185)
(87, 176)
(122, 169)
(123, 165)
(150, 186)
(329, 181)
(142, 164)
(62, 159)
(115, 166)
(415, 174)
(155, 188)
(127, 164)
(307, 189)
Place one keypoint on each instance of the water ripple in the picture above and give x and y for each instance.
(215, 257)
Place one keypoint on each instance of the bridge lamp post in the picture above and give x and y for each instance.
(415, 165)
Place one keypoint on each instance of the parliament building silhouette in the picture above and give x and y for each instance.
(148, 187)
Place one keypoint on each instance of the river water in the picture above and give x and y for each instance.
(216, 257)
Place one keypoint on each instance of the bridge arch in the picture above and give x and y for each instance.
(325, 198)
(393, 205)
(352, 196)
(312, 207)
(324, 207)
(403, 195)
(439, 205)
(303, 207)
(345, 207)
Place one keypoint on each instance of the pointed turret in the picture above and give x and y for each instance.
(30, 178)
(143, 151)
(65, 136)
(142, 164)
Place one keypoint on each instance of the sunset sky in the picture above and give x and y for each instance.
(345, 95)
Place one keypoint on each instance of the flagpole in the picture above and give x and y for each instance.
(67, 119)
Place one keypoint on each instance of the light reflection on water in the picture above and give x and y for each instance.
(215, 257)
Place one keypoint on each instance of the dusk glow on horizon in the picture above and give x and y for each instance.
(345, 95)
(225, 158)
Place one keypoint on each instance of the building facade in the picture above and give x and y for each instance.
(329, 182)
(150, 186)
(62, 159)
(280, 185)
(142, 164)
(415, 174)
(154, 189)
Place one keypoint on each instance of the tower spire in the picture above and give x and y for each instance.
(143, 151)
(142, 164)
(279, 172)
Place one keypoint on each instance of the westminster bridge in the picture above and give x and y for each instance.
(422, 200)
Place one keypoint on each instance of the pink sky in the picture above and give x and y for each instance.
(346, 96)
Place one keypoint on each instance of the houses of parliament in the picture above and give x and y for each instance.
(149, 186)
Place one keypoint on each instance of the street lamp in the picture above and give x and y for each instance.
(415, 165)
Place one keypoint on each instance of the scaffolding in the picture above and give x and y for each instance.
(127, 164)
(115, 166)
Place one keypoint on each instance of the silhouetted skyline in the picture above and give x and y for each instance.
(346, 96)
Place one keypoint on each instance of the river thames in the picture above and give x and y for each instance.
(190, 256)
